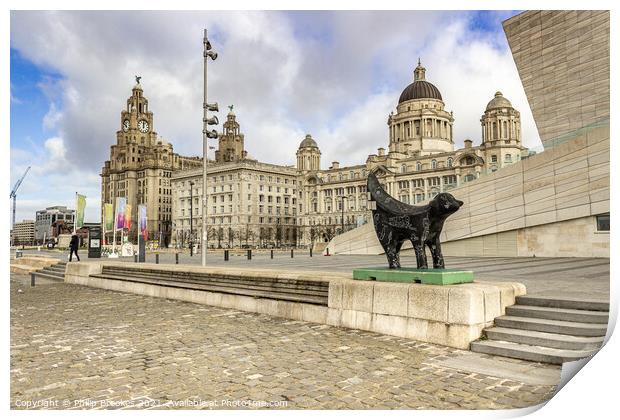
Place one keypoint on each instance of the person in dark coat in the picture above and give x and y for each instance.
(73, 247)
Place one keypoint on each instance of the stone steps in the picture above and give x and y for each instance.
(543, 339)
(560, 314)
(564, 303)
(303, 291)
(310, 288)
(552, 326)
(53, 272)
(527, 352)
(545, 329)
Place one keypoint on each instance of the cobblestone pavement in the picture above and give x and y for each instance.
(76, 347)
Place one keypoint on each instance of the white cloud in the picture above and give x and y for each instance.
(52, 117)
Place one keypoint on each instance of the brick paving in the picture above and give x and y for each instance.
(74, 347)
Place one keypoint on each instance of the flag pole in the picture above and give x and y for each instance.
(114, 226)
(76, 213)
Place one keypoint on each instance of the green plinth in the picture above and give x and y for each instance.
(440, 276)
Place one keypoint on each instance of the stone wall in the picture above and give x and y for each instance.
(563, 61)
(453, 315)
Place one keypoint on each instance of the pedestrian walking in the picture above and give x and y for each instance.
(73, 247)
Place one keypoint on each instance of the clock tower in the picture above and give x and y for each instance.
(136, 120)
(140, 169)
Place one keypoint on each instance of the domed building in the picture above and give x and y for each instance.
(421, 125)
(421, 159)
(253, 203)
(308, 155)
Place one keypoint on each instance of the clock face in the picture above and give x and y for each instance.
(125, 125)
(143, 126)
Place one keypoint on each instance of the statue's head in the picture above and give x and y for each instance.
(445, 203)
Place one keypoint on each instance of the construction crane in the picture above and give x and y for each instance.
(14, 192)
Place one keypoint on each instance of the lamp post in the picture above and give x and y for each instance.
(206, 135)
(191, 218)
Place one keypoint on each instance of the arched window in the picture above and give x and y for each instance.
(449, 162)
(418, 166)
(508, 157)
(403, 168)
(434, 164)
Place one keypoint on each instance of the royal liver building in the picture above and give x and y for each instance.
(251, 203)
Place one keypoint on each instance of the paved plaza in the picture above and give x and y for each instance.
(74, 347)
(584, 278)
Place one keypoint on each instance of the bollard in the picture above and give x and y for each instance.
(310, 252)
(291, 253)
(135, 257)
(249, 254)
(31, 279)
(156, 258)
(225, 255)
(176, 258)
(272, 254)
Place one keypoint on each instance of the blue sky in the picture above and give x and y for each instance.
(335, 75)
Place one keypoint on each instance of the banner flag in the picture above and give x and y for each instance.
(120, 212)
(81, 205)
(108, 215)
(142, 222)
(127, 216)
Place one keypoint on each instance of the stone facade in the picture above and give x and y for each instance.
(563, 62)
(249, 203)
(140, 168)
(23, 232)
(421, 162)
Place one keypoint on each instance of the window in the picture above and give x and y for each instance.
(418, 166)
(493, 158)
(508, 157)
(434, 164)
(602, 223)
(449, 162)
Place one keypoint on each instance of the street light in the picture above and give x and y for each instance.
(191, 218)
(206, 135)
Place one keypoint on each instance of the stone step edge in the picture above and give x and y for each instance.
(319, 286)
(554, 322)
(322, 301)
(132, 271)
(241, 286)
(535, 353)
(543, 339)
(563, 303)
(543, 312)
(48, 275)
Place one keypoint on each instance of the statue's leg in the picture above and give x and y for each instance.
(420, 254)
(397, 246)
(392, 250)
(435, 247)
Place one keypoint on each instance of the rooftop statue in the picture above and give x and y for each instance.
(396, 222)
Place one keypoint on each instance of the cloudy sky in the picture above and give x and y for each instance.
(335, 75)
